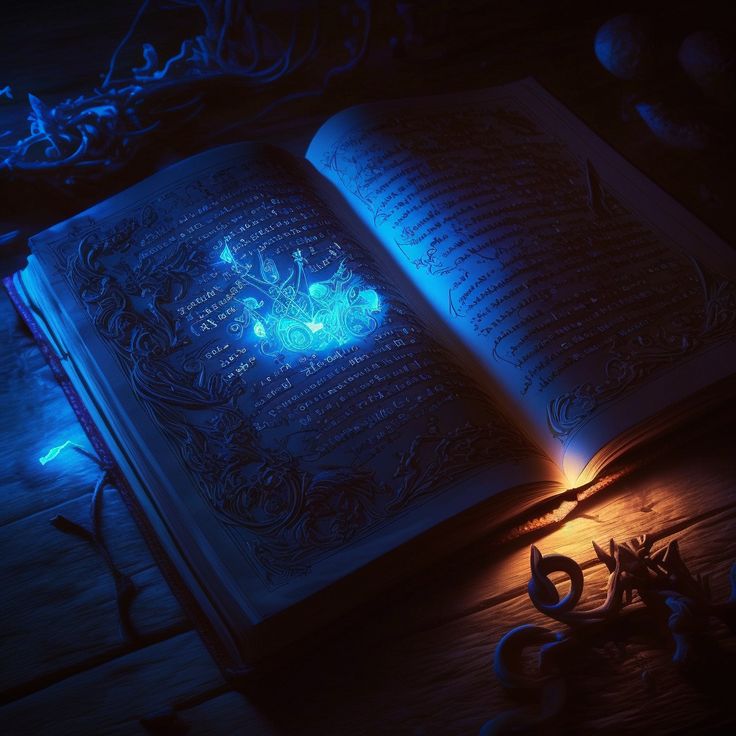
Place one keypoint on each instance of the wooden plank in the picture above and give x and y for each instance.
(230, 714)
(111, 698)
(36, 417)
(440, 681)
(59, 612)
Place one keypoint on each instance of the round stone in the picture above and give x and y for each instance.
(623, 45)
(709, 59)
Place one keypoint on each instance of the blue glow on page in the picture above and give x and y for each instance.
(291, 315)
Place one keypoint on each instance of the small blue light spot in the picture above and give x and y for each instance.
(54, 452)
(227, 255)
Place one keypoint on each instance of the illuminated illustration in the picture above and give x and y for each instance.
(290, 314)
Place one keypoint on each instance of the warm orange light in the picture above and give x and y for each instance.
(572, 467)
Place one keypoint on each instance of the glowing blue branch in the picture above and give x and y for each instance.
(101, 130)
(54, 452)
(125, 40)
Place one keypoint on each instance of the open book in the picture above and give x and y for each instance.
(452, 308)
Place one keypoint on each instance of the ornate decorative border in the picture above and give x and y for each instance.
(640, 356)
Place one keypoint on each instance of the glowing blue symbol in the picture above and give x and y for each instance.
(54, 452)
(227, 255)
(303, 316)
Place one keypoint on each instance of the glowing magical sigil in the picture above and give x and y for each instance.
(290, 314)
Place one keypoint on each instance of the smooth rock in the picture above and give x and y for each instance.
(624, 46)
(709, 59)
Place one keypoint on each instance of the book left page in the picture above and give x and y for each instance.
(283, 409)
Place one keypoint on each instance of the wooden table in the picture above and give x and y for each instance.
(417, 659)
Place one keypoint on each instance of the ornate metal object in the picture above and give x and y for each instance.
(660, 580)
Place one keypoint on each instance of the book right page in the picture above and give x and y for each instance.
(590, 296)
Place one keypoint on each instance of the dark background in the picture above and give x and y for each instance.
(58, 50)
